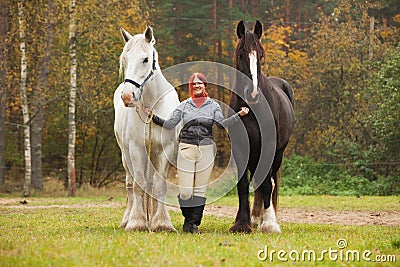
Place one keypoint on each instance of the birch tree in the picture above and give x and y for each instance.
(71, 105)
(24, 100)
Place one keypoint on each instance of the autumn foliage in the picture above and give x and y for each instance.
(341, 57)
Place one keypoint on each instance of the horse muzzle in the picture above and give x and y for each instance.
(251, 97)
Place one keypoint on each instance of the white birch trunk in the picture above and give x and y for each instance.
(371, 38)
(25, 108)
(71, 105)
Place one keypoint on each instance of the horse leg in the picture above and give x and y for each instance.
(129, 190)
(257, 207)
(138, 218)
(269, 222)
(242, 221)
(161, 220)
(129, 201)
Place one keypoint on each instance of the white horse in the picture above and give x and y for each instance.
(145, 181)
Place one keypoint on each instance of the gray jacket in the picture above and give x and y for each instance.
(197, 122)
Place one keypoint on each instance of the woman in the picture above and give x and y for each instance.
(196, 147)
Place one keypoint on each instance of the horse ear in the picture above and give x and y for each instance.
(148, 34)
(240, 29)
(126, 35)
(258, 29)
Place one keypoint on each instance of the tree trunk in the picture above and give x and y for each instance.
(242, 3)
(287, 20)
(371, 38)
(71, 105)
(36, 142)
(215, 30)
(3, 85)
(254, 8)
(43, 71)
(215, 91)
(24, 100)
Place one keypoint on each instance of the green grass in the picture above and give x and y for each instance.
(90, 236)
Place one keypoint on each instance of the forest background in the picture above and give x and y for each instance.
(342, 58)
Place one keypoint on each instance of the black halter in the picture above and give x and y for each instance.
(140, 86)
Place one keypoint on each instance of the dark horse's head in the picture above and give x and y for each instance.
(249, 54)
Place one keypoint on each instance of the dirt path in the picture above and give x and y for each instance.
(314, 216)
(319, 216)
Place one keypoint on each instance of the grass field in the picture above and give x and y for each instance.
(84, 231)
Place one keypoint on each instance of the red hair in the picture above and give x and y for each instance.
(202, 78)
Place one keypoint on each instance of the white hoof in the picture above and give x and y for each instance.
(136, 226)
(163, 228)
(270, 228)
(161, 222)
(125, 219)
(123, 224)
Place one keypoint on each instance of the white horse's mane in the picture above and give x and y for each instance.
(137, 41)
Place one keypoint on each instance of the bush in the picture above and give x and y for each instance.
(304, 176)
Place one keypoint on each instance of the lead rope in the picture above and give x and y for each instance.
(148, 184)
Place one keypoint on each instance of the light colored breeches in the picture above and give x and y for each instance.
(195, 164)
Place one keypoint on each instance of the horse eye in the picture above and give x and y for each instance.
(146, 60)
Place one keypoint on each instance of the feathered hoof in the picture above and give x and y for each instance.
(241, 228)
(123, 224)
(254, 222)
(270, 228)
(163, 228)
(135, 226)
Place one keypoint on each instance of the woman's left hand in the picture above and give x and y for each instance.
(243, 111)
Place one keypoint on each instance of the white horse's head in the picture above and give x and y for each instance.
(137, 64)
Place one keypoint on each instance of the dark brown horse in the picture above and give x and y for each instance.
(266, 133)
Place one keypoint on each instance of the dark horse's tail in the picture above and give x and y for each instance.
(275, 193)
(288, 90)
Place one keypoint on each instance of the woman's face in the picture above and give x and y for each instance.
(198, 87)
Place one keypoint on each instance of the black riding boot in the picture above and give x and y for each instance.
(187, 211)
(197, 214)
